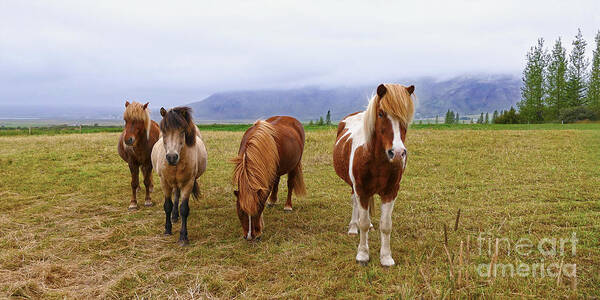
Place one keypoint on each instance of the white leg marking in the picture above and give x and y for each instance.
(353, 227)
(364, 220)
(249, 236)
(385, 227)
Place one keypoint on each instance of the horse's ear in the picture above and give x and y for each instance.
(381, 90)
(146, 105)
(163, 112)
(126, 103)
(410, 89)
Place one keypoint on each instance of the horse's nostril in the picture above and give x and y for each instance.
(390, 153)
(130, 141)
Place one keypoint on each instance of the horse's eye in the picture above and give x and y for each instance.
(381, 114)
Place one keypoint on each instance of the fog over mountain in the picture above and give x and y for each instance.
(467, 94)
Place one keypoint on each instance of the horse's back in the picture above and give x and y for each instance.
(290, 141)
(201, 155)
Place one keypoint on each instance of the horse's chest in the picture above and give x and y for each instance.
(177, 176)
(378, 179)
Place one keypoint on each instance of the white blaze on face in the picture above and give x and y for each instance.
(397, 144)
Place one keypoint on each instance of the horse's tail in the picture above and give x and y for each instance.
(195, 190)
(299, 187)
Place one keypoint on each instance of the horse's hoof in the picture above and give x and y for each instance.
(363, 263)
(362, 257)
(353, 231)
(270, 204)
(387, 261)
(151, 189)
(167, 233)
(184, 243)
(287, 208)
(371, 227)
(148, 203)
(132, 207)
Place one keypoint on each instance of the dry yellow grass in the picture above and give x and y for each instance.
(65, 230)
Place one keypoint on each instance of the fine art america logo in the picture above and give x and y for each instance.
(545, 258)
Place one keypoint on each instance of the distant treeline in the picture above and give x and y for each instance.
(557, 88)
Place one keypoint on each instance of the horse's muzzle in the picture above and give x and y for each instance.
(172, 159)
(396, 154)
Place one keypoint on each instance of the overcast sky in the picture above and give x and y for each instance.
(169, 52)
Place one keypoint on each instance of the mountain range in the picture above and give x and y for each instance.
(469, 94)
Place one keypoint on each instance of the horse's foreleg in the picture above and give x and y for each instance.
(273, 197)
(175, 213)
(135, 183)
(353, 226)
(364, 220)
(385, 227)
(168, 206)
(148, 184)
(184, 210)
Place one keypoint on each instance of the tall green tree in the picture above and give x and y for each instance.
(576, 74)
(593, 92)
(457, 119)
(494, 116)
(487, 118)
(556, 81)
(531, 106)
(328, 118)
(436, 119)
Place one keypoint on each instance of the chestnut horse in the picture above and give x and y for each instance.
(269, 150)
(135, 146)
(179, 158)
(370, 156)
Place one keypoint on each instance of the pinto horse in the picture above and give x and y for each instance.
(269, 150)
(179, 158)
(135, 145)
(370, 156)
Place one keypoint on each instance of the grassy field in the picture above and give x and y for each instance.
(65, 230)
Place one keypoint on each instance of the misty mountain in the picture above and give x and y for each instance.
(471, 94)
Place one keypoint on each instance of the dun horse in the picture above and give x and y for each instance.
(370, 156)
(179, 158)
(269, 150)
(135, 146)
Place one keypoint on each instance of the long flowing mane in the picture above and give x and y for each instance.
(179, 118)
(137, 112)
(256, 167)
(396, 102)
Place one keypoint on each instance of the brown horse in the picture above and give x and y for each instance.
(179, 158)
(370, 156)
(269, 150)
(135, 147)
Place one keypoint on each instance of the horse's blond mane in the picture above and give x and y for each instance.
(396, 102)
(256, 167)
(135, 111)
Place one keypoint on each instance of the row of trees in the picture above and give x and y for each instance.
(557, 87)
(321, 122)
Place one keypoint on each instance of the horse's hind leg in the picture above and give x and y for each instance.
(135, 184)
(290, 184)
(273, 197)
(175, 211)
(147, 170)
